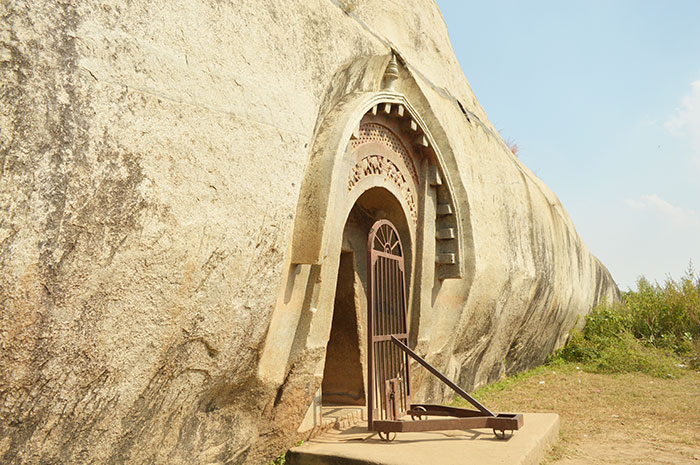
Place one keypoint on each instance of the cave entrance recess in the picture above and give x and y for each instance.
(342, 374)
(344, 390)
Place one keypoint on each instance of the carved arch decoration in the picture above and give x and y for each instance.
(380, 136)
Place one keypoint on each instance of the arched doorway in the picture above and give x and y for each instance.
(344, 375)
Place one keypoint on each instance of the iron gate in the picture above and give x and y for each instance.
(388, 380)
(388, 383)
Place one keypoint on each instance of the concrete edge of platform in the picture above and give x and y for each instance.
(543, 444)
(532, 442)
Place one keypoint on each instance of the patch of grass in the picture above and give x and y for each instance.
(619, 354)
(607, 417)
(508, 382)
(653, 330)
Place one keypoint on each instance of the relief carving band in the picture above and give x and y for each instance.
(373, 132)
(379, 165)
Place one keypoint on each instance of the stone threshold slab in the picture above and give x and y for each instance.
(356, 446)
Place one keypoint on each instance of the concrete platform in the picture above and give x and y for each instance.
(356, 446)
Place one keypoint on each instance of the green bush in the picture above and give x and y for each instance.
(647, 331)
(666, 315)
(607, 321)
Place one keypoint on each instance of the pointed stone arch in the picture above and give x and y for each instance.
(412, 164)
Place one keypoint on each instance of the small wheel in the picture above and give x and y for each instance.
(419, 417)
(501, 433)
(388, 437)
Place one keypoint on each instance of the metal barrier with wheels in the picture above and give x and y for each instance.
(388, 380)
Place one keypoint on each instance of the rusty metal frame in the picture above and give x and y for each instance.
(388, 377)
(388, 381)
(463, 418)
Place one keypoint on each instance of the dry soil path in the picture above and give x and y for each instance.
(612, 419)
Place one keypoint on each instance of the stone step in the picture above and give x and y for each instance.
(338, 417)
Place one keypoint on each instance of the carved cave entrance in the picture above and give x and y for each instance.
(344, 375)
(383, 165)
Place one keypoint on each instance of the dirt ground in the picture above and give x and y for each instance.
(609, 419)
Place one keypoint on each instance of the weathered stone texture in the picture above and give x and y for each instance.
(151, 160)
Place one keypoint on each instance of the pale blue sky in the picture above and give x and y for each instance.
(603, 100)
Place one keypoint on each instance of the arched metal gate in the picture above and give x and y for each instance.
(389, 389)
(388, 378)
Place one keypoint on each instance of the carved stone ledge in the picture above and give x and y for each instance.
(434, 177)
(445, 259)
(444, 209)
(445, 234)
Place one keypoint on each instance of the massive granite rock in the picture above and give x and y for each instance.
(172, 223)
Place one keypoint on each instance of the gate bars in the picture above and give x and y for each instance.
(388, 377)
(388, 383)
